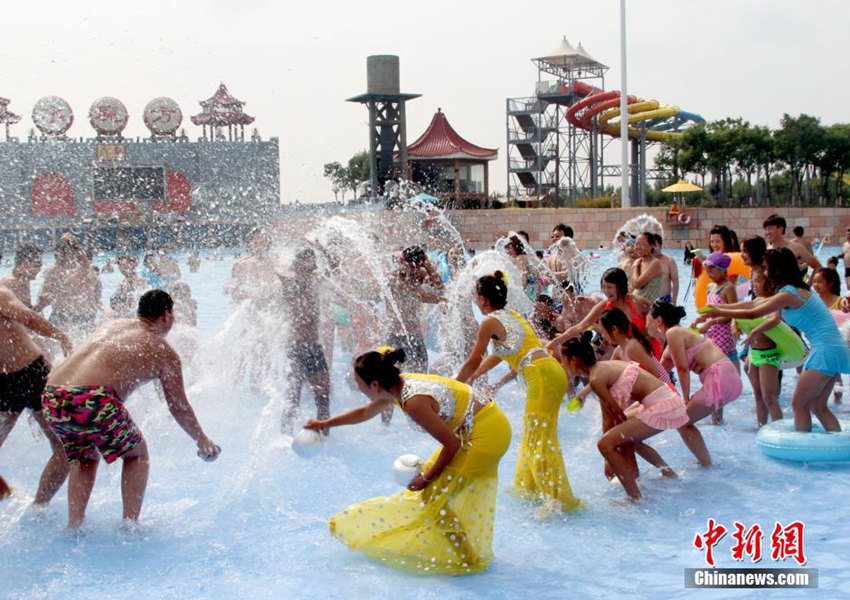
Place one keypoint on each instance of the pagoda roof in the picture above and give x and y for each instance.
(221, 110)
(441, 141)
(222, 98)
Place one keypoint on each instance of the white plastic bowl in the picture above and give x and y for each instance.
(405, 468)
(307, 443)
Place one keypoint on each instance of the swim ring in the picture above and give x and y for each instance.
(736, 269)
(779, 440)
(791, 347)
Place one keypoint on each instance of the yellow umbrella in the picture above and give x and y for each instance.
(682, 186)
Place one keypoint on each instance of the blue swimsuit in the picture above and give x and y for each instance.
(829, 353)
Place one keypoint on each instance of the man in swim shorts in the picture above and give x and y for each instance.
(307, 362)
(84, 402)
(23, 372)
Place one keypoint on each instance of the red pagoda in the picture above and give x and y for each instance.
(454, 169)
(223, 110)
(6, 117)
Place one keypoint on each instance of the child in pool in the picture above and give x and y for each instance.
(719, 330)
(617, 384)
(764, 361)
(828, 286)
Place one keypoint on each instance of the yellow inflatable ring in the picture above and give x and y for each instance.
(736, 269)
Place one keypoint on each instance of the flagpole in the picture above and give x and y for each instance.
(624, 114)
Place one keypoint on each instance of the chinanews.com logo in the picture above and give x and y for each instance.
(786, 542)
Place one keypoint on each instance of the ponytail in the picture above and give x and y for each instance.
(380, 366)
(581, 349)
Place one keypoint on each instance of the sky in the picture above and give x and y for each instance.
(294, 64)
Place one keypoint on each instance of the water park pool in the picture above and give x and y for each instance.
(253, 524)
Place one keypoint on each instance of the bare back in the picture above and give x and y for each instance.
(17, 349)
(122, 354)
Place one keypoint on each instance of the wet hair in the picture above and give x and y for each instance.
(831, 278)
(27, 252)
(799, 231)
(153, 304)
(614, 317)
(755, 247)
(774, 221)
(565, 229)
(414, 255)
(524, 234)
(657, 240)
(832, 260)
(782, 270)
(517, 244)
(544, 299)
(736, 245)
(539, 254)
(374, 366)
(493, 289)
(580, 348)
(729, 245)
(669, 313)
(617, 277)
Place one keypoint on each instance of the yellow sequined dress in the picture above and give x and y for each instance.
(540, 471)
(447, 528)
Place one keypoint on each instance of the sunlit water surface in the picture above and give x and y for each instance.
(253, 524)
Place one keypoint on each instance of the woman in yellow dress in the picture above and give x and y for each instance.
(443, 522)
(540, 471)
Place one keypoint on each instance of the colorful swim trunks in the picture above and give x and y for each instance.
(85, 417)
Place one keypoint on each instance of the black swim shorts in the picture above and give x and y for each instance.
(22, 389)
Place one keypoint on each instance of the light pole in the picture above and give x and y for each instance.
(624, 115)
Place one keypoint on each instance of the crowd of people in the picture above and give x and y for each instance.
(628, 347)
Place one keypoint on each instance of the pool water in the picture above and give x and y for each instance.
(253, 523)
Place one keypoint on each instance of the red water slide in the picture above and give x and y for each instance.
(594, 102)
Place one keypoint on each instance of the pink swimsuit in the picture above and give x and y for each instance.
(663, 408)
(720, 382)
(721, 334)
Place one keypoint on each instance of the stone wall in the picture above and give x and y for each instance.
(599, 226)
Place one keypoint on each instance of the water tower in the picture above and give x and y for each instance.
(387, 120)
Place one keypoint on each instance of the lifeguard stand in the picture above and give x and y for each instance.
(547, 156)
(387, 119)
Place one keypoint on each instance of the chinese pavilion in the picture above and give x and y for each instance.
(223, 110)
(6, 117)
(449, 166)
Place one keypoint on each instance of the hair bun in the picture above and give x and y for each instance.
(501, 277)
(393, 356)
(586, 337)
(681, 312)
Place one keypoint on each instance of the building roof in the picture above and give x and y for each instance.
(565, 56)
(6, 116)
(222, 97)
(441, 141)
(222, 109)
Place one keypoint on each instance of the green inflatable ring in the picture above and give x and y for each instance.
(791, 347)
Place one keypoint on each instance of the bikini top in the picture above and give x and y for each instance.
(693, 350)
(639, 321)
(621, 391)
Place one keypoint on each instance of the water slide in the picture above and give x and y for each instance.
(659, 122)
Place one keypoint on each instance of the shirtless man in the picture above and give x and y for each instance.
(84, 402)
(27, 266)
(669, 271)
(72, 289)
(254, 281)
(168, 268)
(799, 237)
(306, 356)
(23, 372)
(123, 301)
(416, 281)
(774, 233)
